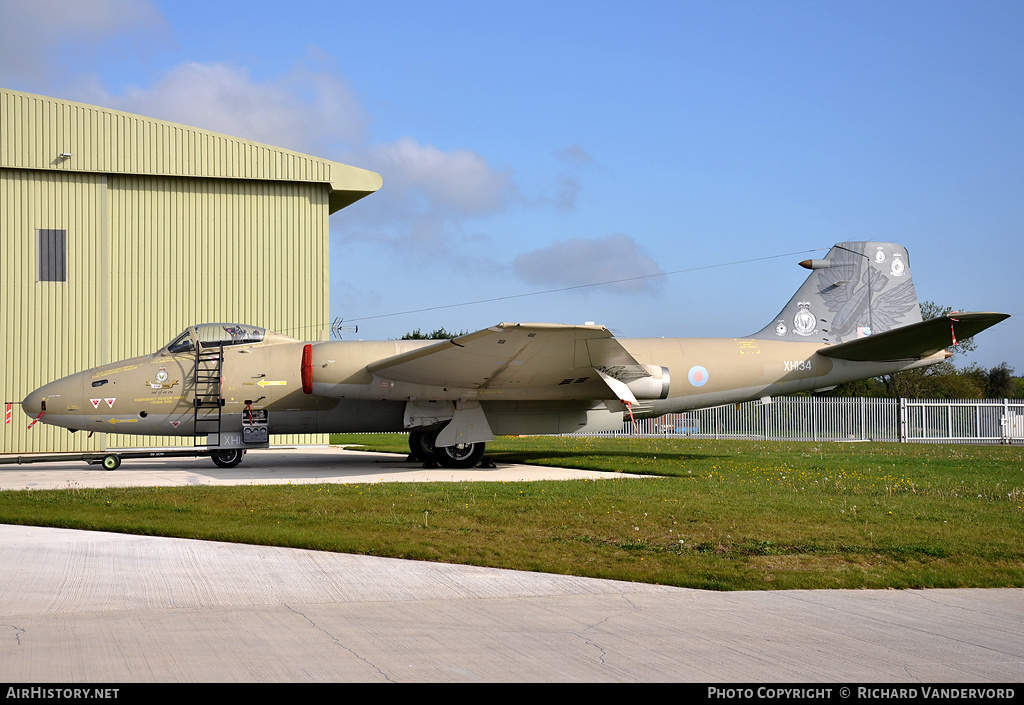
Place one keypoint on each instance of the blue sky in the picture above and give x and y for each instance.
(530, 146)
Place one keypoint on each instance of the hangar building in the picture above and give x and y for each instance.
(118, 231)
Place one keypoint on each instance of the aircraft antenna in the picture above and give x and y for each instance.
(338, 327)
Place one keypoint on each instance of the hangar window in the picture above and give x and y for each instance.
(52, 255)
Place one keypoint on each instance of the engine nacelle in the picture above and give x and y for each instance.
(653, 387)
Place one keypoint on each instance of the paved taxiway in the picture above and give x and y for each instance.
(80, 607)
(267, 467)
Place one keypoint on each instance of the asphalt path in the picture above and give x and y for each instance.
(78, 606)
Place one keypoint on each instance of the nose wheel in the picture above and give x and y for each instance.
(227, 458)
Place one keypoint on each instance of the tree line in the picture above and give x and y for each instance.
(942, 381)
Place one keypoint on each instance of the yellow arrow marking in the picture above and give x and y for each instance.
(274, 383)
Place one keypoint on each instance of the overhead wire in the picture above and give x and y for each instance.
(574, 287)
(581, 286)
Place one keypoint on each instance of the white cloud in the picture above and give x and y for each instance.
(428, 196)
(429, 193)
(461, 181)
(310, 109)
(580, 261)
(37, 31)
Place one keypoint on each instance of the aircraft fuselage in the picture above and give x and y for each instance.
(855, 316)
(155, 394)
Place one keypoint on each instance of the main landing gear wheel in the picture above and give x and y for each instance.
(421, 445)
(227, 458)
(111, 462)
(461, 455)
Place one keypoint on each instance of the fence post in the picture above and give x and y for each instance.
(903, 420)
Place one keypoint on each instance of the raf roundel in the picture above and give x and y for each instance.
(698, 376)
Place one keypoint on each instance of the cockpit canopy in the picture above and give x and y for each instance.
(210, 334)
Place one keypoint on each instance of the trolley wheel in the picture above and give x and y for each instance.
(111, 462)
(227, 458)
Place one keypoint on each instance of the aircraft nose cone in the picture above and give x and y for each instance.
(33, 403)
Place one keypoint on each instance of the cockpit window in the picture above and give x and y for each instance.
(183, 343)
(207, 334)
(228, 334)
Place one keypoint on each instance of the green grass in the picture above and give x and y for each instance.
(717, 514)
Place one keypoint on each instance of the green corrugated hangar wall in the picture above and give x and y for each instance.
(117, 231)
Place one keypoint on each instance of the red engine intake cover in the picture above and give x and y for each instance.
(307, 369)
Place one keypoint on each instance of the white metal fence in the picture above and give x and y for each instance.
(845, 419)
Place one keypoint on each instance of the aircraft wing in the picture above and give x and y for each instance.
(916, 340)
(511, 356)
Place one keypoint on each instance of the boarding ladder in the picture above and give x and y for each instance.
(208, 400)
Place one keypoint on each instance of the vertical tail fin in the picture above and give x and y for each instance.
(859, 288)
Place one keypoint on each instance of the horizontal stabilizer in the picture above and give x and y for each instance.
(914, 341)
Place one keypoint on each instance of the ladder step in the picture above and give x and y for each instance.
(207, 400)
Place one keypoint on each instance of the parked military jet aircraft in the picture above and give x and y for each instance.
(856, 316)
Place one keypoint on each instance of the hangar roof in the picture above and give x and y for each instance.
(59, 135)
